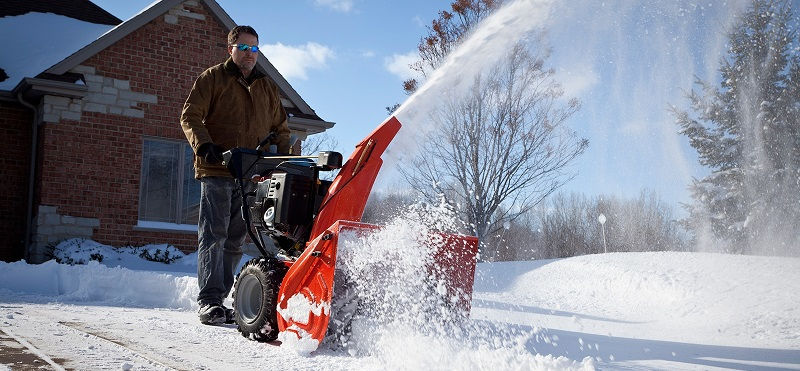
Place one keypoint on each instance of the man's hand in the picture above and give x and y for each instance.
(211, 152)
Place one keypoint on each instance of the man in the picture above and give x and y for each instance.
(230, 105)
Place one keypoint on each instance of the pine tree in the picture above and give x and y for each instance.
(747, 131)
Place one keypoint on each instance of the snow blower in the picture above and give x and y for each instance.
(291, 293)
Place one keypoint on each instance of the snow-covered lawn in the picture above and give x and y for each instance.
(663, 310)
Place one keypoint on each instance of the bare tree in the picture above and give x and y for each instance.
(319, 142)
(502, 143)
(569, 226)
(381, 207)
(444, 34)
(322, 142)
(514, 242)
(565, 229)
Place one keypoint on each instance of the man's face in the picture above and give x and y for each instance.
(246, 59)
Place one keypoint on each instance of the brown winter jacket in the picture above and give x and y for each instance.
(224, 109)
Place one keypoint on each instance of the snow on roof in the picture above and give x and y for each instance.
(84, 10)
(33, 42)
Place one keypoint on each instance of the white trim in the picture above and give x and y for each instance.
(44, 86)
(309, 126)
(163, 226)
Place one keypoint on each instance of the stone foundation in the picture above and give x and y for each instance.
(52, 228)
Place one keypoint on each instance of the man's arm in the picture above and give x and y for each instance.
(195, 110)
(280, 123)
(283, 134)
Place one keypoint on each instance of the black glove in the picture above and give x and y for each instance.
(211, 152)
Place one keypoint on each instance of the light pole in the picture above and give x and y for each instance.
(602, 219)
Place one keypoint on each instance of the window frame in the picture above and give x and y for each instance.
(175, 225)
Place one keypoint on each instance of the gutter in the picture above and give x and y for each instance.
(31, 173)
(308, 125)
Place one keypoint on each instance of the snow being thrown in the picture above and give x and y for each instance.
(389, 299)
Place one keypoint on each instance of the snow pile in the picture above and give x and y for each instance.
(108, 275)
(81, 251)
(96, 283)
(299, 309)
(298, 340)
(699, 297)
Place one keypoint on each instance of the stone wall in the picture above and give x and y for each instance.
(51, 228)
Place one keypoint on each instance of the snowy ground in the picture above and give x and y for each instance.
(666, 311)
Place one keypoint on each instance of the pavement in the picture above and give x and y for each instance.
(19, 355)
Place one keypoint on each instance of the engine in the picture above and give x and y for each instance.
(288, 193)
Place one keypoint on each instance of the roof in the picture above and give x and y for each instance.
(83, 10)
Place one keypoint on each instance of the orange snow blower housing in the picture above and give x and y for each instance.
(295, 209)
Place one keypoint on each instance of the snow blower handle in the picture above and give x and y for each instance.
(266, 140)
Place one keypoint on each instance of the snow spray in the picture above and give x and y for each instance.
(626, 62)
(389, 308)
(490, 42)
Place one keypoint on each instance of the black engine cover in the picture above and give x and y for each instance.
(291, 195)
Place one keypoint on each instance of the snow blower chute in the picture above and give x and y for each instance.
(302, 216)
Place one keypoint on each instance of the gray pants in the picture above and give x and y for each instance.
(221, 232)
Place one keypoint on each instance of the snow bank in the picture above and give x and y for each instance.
(99, 284)
(698, 295)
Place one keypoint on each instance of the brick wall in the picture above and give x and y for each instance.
(92, 157)
(15, 131)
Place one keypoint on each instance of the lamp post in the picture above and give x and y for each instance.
(602, 219)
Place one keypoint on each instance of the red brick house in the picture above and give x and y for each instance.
(100, 127)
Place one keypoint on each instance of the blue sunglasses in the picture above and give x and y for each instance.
(245, 47)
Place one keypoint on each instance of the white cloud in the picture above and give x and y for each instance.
(344, 6)
(296, 61)
(397, 64)
(368, 54)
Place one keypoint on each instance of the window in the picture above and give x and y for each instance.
(169, 196)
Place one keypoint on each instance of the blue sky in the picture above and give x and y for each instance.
(627, 61)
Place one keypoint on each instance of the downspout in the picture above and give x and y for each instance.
(32, 173)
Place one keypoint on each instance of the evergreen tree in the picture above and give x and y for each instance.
(747, 132)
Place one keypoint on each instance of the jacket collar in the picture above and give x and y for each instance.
(232, 69)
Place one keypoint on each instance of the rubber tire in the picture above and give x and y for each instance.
(344, 309)
(255, 298)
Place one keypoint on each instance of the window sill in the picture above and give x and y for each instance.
(143, 225)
